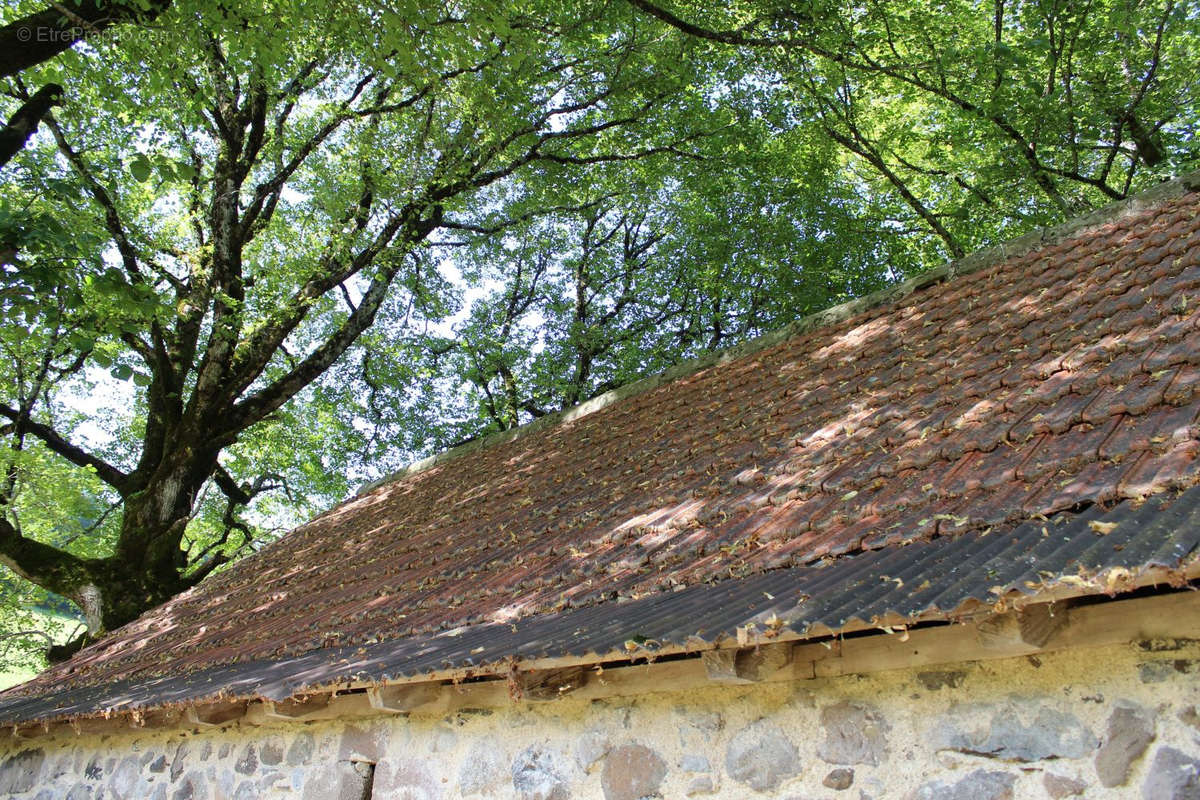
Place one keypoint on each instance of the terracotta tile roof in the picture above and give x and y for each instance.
(1055, 379)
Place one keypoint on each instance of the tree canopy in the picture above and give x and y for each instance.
(261, 252)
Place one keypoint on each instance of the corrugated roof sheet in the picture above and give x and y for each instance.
(889, 586)
(1057, 378)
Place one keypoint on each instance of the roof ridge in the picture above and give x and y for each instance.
(972, 262)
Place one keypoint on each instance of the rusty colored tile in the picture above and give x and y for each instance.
(1095, 483)
(918, 453)
(1185, 387)
(1054, 417)
(910, 527)
(1177, 424)
(1126, 365)
(1142, 393)
(1154, 472)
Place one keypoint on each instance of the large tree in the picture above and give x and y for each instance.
(224, 231)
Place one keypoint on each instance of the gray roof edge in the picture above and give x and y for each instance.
(973, 262)
(1155, 544)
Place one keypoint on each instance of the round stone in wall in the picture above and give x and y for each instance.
(839, 779)
(538, 774)
(632, 772)
(761, 756)
(854, 734)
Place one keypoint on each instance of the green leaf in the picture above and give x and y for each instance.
(62, 187)
(122, 372)
(139, 168)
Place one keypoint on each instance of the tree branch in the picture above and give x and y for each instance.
(263, 402)
(76, 455)
(723, 37)
(230, 488)
(42, 35)
(255, 353)
(112, 219)
(1027, 150)
(47, 566)
(487, 230)
(25, 121)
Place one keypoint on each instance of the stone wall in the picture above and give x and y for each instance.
(1100, 723)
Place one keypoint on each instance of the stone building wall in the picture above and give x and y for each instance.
(1098, 723)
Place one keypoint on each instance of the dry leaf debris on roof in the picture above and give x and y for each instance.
(1052, 380)
(935, 580)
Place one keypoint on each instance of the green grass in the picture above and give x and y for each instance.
(17, 664)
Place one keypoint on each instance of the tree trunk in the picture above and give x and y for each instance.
(109, 591)
(111, 595)
(147, 566)
(148, 561)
